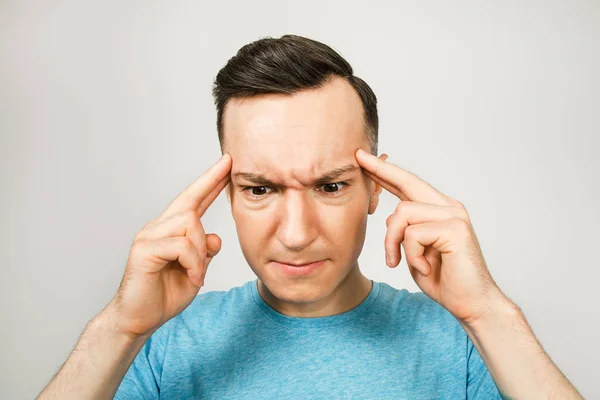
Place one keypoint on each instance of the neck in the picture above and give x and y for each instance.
(351, 291)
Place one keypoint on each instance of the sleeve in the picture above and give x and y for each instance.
(142, 380)
(480, 384)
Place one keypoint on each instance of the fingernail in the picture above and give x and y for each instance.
(387, 260)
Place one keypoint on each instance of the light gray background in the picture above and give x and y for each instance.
(106, 115)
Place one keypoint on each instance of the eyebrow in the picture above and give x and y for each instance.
(327, 177)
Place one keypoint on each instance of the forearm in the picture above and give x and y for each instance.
(515, 359)
(97, 365)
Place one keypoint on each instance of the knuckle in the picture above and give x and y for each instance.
(149, 224)
(192, 220)
(460, 225)
(463, 214)
(409, 232)
(388, 220)
(456, 203)
(141, 235)
(190, 217)
(137, 246)
(402, 206)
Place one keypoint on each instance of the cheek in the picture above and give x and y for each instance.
(345, 225)
(243, 217)
(252, 225)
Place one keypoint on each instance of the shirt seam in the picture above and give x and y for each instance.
(300, 328)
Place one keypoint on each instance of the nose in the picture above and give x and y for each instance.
(298, 223)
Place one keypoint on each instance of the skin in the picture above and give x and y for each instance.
(292, 141)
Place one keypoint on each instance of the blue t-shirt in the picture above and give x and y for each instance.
(232, 345)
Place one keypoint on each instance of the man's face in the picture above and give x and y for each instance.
(297, 194)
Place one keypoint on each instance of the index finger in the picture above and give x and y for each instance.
(203, 190)
(399, 181)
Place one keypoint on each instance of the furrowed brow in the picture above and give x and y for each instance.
(335, 173)
(256, 179)
(327, 177)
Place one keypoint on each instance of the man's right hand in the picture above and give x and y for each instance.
(169, 257)
(165, 270)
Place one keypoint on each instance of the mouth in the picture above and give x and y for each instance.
(298, 268)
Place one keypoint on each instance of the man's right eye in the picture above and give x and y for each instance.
(257, 191)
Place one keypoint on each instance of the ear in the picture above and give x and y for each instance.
(375, 191)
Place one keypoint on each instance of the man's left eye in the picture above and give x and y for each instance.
(333, 187)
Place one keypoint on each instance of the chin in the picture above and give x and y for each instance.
(298, 291)
(297, 295)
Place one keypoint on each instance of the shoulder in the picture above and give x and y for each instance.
(419, 312)
(208, 312)
(216, 309)
(219, 300)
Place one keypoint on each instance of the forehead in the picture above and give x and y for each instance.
(300, 134)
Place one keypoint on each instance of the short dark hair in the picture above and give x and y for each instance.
(287, 65)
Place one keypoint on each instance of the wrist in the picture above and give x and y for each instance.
(107, 321)
(500, 310)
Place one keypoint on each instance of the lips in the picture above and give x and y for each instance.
(298, 268)
(297, 264)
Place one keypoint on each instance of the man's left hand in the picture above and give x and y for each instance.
(441, 248)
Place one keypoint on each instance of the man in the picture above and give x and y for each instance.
(298, 133)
